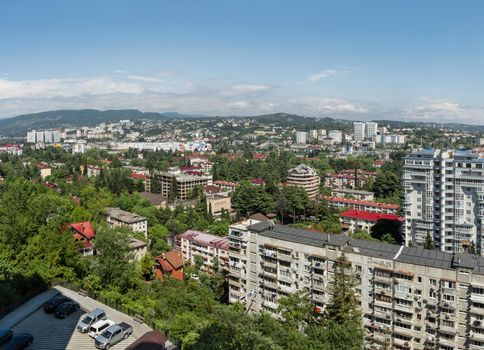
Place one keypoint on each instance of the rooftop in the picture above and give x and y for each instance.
(369, 216)
(205, 239)
(358, 202)
(124, 216)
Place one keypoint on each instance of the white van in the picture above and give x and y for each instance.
(98, 327)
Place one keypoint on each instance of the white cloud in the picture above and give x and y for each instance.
(327, 73)
(242, 89)
(144, 78)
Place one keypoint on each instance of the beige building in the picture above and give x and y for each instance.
(411, 298)
(305, 177)
(209, 247)
(161, 182)
(350, 193)
(118, 217)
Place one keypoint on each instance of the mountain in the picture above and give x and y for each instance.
(17, 126)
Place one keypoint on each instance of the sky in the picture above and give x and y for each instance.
(404, 59)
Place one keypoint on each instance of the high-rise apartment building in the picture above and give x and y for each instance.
(359, 131)
(301, 137)
(163, 182)
(336, 136)
(371, 129)
(56, 136)
(411, 298)
(444, 199)
(31, 136)
(39, 136)
(48, 137)
(305, 177)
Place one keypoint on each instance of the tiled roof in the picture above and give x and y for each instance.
(171, 260)
(369, 216)
(358, 202)
(84, 228)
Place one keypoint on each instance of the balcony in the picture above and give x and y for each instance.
(476, 336)
(284, 257)
(447, 329)
(270, 253)
(318, 297)
(269, 264)
(477, 310)
(270, 304)
(287, 289)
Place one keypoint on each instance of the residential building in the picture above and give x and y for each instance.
(336, 136)
(359, 220)
(371, 130)
(162, 181)
(56, 136)
(84, 233)
(45, 170)
(93, 170)
(155, 199)
(48, 137)
(444, 199)
(350, 193)
(209, 248)
(374, 207)
(226, 185)
(301, 137)
(305, 177)
(359, 131)
(117, 217)
(313, 134)
(169, 264)
(345, 180)
(411, 298)
(39, 136)
(31, 136)
(138, 248)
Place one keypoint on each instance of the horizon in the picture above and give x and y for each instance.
(406, 61)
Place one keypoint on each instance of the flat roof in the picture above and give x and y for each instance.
(124, 216)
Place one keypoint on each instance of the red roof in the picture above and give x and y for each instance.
(43, 166)
(358, 202)
(84, 228)
(212, 189)
(257, 181)
(369, 216)
(138, 176)
(259, 156)
(170, 261)
(226, 183)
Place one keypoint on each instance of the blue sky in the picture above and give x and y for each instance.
(415, 60)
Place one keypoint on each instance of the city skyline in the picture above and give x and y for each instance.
(409, 61)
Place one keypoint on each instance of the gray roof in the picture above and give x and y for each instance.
(397, 253)
(124, 216)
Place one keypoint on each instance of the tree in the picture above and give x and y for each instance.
(113, 260)
(158, 238)
(344, 305)
(429, 242)
(296, 311)
(387, 185)
(173, 194)
(146, 266)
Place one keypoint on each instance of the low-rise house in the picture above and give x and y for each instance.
(45, 170)
(169, 264)
(350, 193)
(374, 207)
(206, 246)
(359, 220)
(93, 170)
(155, 199)
(138, 248)
(226, 185)
(84, 233)
(118, 217)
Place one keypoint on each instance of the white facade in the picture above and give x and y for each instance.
(371, 130)
(359, 131)
(31, 136)
(336, 136)
(444, 199)
(301, 137)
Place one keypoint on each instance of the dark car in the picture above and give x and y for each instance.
(5, 335)
(55, 301)
(20, 341)
(65, 309)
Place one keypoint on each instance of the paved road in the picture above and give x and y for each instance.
(54, 334)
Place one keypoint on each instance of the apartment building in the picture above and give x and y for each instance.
(358, 220)
(371, 130)
(411, 298)
(162, 181)
(351, 193)
(301, 137)
(359, 131)
(305, 177)
(209, 247)
(444, 199)
(118, 217)
(350, 203)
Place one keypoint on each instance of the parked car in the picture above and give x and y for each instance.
(113, 335)
(67, 308)
(5, 335)
(19, 341)
(98, 327)
(89, 319)
(55, 301)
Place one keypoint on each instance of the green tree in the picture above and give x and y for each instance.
(146, 266)
(429, 242)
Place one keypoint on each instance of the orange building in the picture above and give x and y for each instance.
(169, 264)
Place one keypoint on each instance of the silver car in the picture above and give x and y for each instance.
(89, 319)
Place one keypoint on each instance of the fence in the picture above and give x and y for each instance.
(24, 299)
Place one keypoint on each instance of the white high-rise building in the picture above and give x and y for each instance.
(371, 130)
(313, 134)
(39, 136)
(359, 131)
(48, 137)
(301, 137)
(336, 136)
(56, 136)
(31, 136)
(444, 199)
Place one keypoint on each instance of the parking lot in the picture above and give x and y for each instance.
(58, 334)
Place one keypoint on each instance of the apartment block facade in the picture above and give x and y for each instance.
(444, 199)
(162, 181)
(305, 177)
(411, 298)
